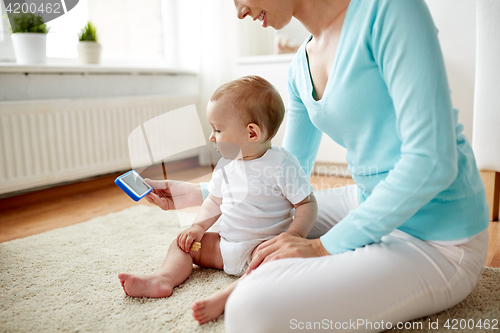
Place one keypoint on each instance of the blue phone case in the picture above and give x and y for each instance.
(121, 184)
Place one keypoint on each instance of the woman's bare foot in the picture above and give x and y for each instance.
(153, 285)
(209, 308)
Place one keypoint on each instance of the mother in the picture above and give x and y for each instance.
(410, 238)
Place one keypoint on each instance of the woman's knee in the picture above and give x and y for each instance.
(247, 309)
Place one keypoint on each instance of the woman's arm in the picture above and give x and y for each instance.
(302, 138)
(405, 46)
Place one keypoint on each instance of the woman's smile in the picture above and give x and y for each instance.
(262, 17)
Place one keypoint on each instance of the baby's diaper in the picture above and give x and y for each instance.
(237, 255)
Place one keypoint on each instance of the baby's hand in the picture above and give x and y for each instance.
(188, 236)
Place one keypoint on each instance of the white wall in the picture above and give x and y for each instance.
(456, 22)
(255, 39)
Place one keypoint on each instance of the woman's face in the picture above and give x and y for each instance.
(272, 13)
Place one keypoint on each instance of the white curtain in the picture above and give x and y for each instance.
(202, 36)
(6, 50)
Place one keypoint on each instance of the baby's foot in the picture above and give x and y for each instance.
(145, 285)
(209, 308)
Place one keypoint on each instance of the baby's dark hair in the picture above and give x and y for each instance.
(255, 101)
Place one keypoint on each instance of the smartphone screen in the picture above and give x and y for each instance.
(135, 183)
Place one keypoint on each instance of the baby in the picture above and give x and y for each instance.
(252, 192)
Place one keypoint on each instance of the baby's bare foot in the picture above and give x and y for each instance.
(209, 308)
(145, 285)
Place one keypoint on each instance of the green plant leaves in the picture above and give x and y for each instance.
(88, 33)
(27, 22)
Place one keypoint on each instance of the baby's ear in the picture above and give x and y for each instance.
(254, 132)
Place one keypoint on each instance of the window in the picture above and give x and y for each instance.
(61, 39)
(129, 30)
(63, 35)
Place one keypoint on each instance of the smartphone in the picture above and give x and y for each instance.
(134, 185)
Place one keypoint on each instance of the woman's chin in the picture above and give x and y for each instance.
(279, 26)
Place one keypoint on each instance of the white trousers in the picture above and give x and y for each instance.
(370, 289)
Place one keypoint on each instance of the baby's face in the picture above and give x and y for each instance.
(228, 130)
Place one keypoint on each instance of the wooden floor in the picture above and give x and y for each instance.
(44, 210)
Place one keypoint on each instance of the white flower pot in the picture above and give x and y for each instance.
(89, 52)
(29, 47)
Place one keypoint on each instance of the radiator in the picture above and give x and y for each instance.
(51, 141)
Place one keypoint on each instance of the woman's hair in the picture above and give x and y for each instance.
(255, 101)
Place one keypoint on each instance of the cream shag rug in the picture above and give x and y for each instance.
(66, 280)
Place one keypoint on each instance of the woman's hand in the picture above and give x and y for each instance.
(286, 245)
(186, 238)
(173, 194)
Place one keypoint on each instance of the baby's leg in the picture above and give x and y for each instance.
(211, 307)
(175, 269)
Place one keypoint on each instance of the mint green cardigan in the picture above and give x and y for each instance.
(387, 101)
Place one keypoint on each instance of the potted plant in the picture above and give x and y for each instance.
(89, 50)
(29, 38)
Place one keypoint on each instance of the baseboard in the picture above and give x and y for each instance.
(43, 194)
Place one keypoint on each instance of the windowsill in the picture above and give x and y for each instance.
(62, 80)
(79, 69)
